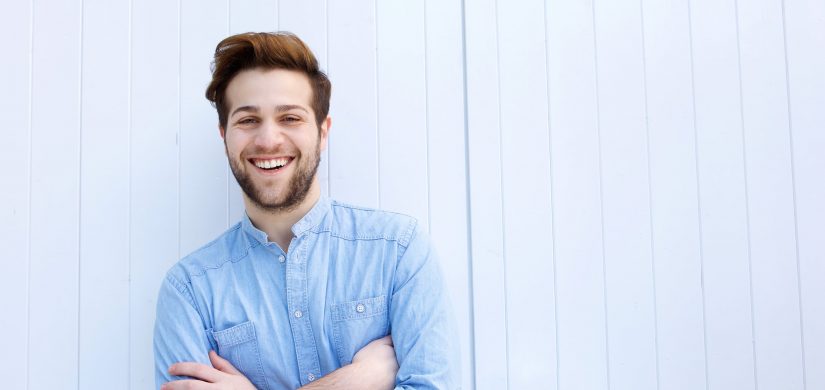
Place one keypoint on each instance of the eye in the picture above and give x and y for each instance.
(291, 119)
(247, 121)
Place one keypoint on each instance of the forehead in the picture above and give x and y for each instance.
(269, 88)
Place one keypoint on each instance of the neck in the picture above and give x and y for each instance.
(278, 224)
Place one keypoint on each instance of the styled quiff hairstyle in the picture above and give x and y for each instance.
(279, 50)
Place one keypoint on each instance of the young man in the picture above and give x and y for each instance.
(304, 291)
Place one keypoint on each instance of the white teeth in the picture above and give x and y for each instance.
(267, 164)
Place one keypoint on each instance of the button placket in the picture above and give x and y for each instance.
(298, 304)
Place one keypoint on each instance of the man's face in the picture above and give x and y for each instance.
(272, 141)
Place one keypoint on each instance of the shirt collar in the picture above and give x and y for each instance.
(308, 221)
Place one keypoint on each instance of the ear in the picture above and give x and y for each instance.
(325, 126)
(222, 132)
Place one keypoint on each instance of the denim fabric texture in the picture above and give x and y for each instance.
(350, 275)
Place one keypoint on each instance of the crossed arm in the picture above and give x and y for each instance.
(373, 367)
(422, 353)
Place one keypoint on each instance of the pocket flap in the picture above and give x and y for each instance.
(235, 335)
(361, 308)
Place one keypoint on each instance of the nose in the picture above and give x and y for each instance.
(269, 135)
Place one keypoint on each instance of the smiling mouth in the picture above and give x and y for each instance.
(273, 164)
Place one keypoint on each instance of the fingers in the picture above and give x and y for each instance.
(222, 364)
(187, 384)
(195, 370)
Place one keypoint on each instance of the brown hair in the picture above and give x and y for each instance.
(278, 50)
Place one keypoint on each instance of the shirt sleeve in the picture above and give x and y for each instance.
(179, 332)
(422, 323)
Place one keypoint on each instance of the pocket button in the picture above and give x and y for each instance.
(360, 308)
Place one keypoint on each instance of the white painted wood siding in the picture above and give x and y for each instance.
(624, 194)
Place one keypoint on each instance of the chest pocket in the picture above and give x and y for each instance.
(239, 345)
(356, 323)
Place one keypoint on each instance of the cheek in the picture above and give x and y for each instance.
(234, 146)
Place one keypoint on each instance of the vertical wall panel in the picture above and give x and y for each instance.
(15, 20)
(629, 287)
(525, 147)
(805, 38)
(722, 195)
(155, 123)
(104, 203)
(577, 217)
(246, 16)
(308, 20)
(402, 112)
(483, 140)
(674, 199)
(447, 161)
(777, 327)
(202, 157)
(55, 188)
(353, 156)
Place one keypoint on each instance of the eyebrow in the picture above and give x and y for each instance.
(279, 108)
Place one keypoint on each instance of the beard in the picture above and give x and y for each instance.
(277, 200)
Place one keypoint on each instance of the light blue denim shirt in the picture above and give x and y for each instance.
(350, 275)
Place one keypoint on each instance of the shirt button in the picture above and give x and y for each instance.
(360, 308)
(298, 314)
(311, 377)
(281, 258)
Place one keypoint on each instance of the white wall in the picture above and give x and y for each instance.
(625, 194)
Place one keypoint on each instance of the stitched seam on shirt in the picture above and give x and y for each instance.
(405, 238)
(401, 252)
(230, 259)
(361, 208)
(183, 289)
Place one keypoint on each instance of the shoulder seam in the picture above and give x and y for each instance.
(204, 269)
(183, 290)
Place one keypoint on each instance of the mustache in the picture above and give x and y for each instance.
(254, 151)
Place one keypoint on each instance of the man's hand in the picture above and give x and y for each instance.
(221, 376)
(373, 367)
(378, 358)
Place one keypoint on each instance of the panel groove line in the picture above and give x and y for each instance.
(485, 192)
(698, 194)
(15, 196)
(804, 25)
(80, 185)
(747, 193)
(427, 123)
(650, 196)
(793, 197)
(551, 197)
(601, 190)
(178, 135)
(468, 197)
(502, 197)
(29, 196)
(377, 107)
(771, 201)
(129, 59)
